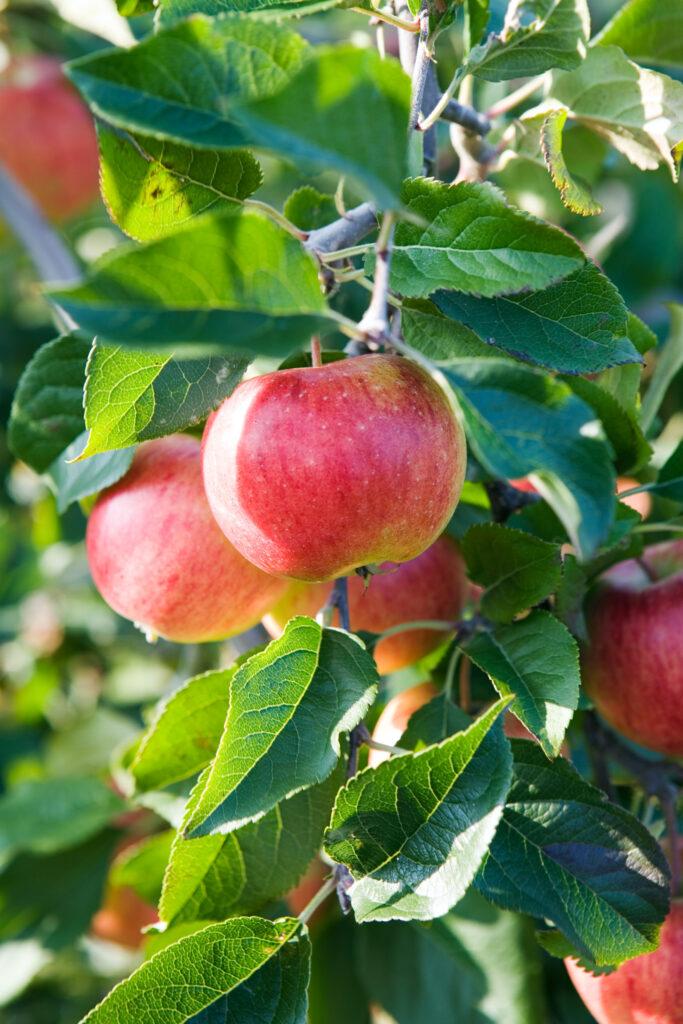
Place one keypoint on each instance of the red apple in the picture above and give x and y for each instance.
(646, 990)
(633, 663)
(157, 556)
(393, 720)
(47, 137)
(431, 586)
(122, 917)
(642, 503)
(313, 472)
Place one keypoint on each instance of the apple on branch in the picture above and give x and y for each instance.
(158, 557)
(314, 472)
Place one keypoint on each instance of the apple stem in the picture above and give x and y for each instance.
(316, 352)
(386, 748)
(651, 575)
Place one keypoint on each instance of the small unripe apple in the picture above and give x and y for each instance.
(47, 137)
(313, 472)
(158, 557)
(646, 990)
(431, 586)
(632, 666)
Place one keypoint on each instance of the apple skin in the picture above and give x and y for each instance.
(158, 557)
(393, 720)
(313, 472)
(431, 586)
(632, 666)
(646, 990)
(122, 917)
(47, 137)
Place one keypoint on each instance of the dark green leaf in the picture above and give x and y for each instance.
(152, 186)
(576, 326)
(621, 426)
(47, 815)
(476, 20)
(289, 705)
(336, 995)
(413, 830)
(433, 722)
(537, 661)
(142, 866)
(185, 83)
(229, 282)
(670, 479)
(135, 396)
(565, 853)
(72, 480)
(217, 876)
(669, 362)
(517, 569)
(649, 31)
(47, 413)
(309, 209)
(537, 35)
(473, 241)
(238, 970)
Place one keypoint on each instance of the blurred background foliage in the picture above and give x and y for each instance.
(76, 681)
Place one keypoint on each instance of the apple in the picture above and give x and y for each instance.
(646, 990)
(393, 720)
(316, 471)
(158, 557)
(632, 666)
(300, 896)
(122, 917)
(47, 137)
(642, 503)
(431, 586)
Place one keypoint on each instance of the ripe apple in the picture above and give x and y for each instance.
(642, 503)
(122, 917)
(431, 586)
(313, 472)
(47, 137)
(633, 663)
(646, 990)
(393, 721)
(158, 557)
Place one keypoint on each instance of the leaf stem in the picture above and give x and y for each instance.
(513, 99)
(316, 353)
(447, 96)
(323, 892)
(388, 18)
(386, 748)
(345, 254)
(275, 215)
(406, 627)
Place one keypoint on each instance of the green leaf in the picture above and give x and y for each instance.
(47, 412)
(475, 964)
(669, 483)
(152, 187)
(565, 853)
(578, 325)
(519, 422)
(621, 426)
(576, 195)
(536, 660)
(47, 815)
(135, 396)
(129, 8)
(473, 241)
(171, 11)
(72, 480)
(433, 722)
(309, 209)
(214, 877)
(336, 995)
(669, 362)
(185, 83)
(476, 20)
(413, 830)
(649, 31)
(517, 569)
(357, 107)
(289, 705)
(229, 282)
(185, 732)
(537, 35)
(142, 866)
(239, 970)
(640, 112)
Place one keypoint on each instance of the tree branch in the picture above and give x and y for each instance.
(345, 232)
(375, 321)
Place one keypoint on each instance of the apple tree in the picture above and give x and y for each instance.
(371, 255)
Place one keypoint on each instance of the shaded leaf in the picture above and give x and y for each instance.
(565, 853)
(229, 282)
(288, 707)
(151, 186)
(669, 483)
(536, 660)
(621, 426)
(517, 569)
(473, 241)
(309, 209)
(141, 867)
(413, 830)
(576, 195)
(537, 35)
(578, 325)
(667, 366)
(649, 31)
(47, 412)
(476, 19)
(135, 396)
(236, 970)
(72, 480)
